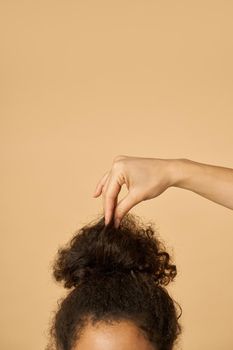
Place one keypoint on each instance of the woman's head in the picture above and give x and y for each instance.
(118, 299)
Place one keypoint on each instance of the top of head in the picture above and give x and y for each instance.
(97, 248)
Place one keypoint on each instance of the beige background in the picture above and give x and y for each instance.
(82, 82)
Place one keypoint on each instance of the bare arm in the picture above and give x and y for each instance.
(147, 178)
(210, 181)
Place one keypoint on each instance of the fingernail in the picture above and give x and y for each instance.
(117, 222)
(106, 221)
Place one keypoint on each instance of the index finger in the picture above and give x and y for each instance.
(100, 184)
(110, 198)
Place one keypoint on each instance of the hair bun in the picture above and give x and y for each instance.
(97, 248)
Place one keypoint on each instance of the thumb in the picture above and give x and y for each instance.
(122, 208)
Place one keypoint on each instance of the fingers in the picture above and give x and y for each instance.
(122, 208)
(100, 185)
(110, 197)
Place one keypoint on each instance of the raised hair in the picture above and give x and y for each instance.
(115, 274)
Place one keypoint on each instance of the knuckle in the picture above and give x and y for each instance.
(118, 164)
(118, 158)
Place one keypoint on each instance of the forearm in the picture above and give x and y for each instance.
(210, 181)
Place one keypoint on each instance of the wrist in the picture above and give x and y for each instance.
(179, 171)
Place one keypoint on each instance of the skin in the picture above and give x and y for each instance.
(147, 178)
(118, 336)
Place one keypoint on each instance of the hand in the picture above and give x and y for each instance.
(145, 179)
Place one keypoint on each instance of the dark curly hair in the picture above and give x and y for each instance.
(115, 274)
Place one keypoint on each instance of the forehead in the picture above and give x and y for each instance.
(119, 336)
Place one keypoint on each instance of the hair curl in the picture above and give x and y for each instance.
(115, 274)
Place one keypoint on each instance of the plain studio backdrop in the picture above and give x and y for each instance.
(81, 82)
